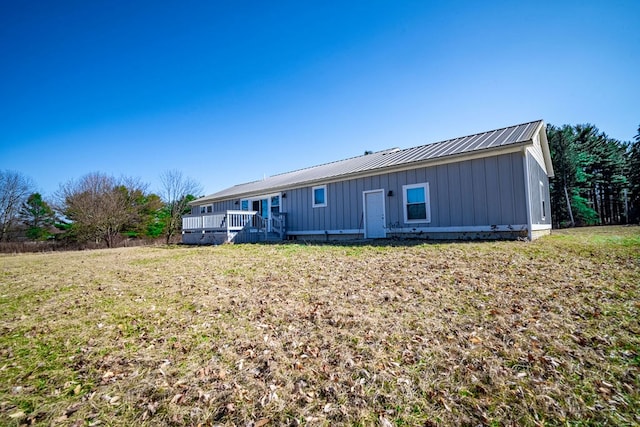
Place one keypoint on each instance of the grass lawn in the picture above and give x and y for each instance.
(489, 333)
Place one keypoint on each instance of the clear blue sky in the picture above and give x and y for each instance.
(231, 91)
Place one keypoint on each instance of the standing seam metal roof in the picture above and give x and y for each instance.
(384, 159)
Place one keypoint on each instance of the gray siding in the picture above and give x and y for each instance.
(537, 175)
(479, 192)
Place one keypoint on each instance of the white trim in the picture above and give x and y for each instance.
(543, 202)
(527, 193)
(364, 211)
(427, 202)
(536, 227)
(546, 152)
(536, 151)
(313, 196)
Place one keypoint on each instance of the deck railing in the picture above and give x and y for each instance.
(220, 221)
(279, 224)
(235, 223)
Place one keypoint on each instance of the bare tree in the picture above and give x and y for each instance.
(14, 190)
(177, 190)
(99, 205)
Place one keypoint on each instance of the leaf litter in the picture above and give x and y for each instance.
(398, 333)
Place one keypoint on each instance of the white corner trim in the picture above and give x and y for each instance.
(536, 227)
(527, 192)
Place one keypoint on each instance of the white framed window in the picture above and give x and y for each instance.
(244, 205)
(319, 196)
(416, 202)
(542, 202)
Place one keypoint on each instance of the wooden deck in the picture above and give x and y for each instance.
(232, 226)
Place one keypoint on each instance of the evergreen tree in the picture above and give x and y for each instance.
(38, 216)
(564, 156)
(591, 175)
(633, 175)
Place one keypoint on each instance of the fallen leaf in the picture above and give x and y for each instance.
(262, 422)
(385, 422)
(17, 415)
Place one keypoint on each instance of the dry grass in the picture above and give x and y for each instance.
(500, 333)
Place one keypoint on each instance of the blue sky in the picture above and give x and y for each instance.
(229, 92)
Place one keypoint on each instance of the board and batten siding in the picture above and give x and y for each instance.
(537, 192)
(479, 192)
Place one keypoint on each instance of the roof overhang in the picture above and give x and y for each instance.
(546, 152)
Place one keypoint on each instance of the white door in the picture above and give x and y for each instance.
(374, 214)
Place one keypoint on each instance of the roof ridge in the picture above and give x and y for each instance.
(385, 151)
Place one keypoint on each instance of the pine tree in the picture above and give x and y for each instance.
(38, 216)
(633, 175)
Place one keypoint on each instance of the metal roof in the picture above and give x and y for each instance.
(485, 141)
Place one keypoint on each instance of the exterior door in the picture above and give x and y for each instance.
(374, 220)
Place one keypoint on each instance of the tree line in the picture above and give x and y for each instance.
(597, 178)
(97, 208)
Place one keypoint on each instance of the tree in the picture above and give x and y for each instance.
(177, 191)
(603, 162)
(563, 153)
(592, 172)
(148, 222)
(38, 216)
(633, 174)
(14, 190)
(100, 206)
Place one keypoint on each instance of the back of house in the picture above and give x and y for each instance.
(492, 184)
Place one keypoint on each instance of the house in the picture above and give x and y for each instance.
(489, 185)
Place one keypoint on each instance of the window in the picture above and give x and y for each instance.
(244, 205)
(203, 209)
(275, 204)
(542, 201)
(416, 203)
(210, 209)
(319, 195)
